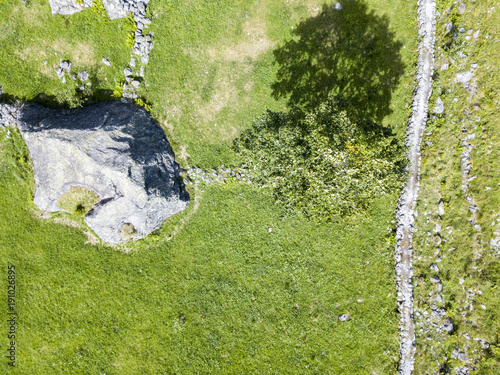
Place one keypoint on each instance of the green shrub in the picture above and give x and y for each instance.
(322, 163)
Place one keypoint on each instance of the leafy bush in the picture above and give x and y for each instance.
(323, 163)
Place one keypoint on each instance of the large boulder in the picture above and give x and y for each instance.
(113, 149)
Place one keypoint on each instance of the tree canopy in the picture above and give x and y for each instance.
(322, 162)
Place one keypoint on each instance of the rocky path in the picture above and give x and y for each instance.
(408, 199)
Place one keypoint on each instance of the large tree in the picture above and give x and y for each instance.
(322, 163)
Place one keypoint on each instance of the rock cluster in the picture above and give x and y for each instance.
(115, 8)
(139, 57)
(221, 175)
(143, 44)
(113, 149)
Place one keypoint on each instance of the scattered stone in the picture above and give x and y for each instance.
(435, 279)
(448, 27)
(439, 108)
(444, 66)
(128, 72)
(441, 208)
(461, 8)
(476, 34)
(106, 61)
(269, 230)
(59, 72)
(135, 83)
(337, 6)
(114, 149)
(83, 75)
(344, 317)
(66, 65)
(448, 326)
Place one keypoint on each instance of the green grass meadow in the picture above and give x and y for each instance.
(212, 291)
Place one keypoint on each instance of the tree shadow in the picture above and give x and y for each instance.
(349, 53)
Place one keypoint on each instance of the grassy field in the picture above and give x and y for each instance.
(34, 42)
(213, 66)
(223, 295)
(461, 246)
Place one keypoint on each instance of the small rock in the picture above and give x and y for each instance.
(145, 59)
(66, 65)
(135, 83)
(461, 8)
(462, 356)
(344, 317)
(435, 279)
(128, 72)
(461, 30)
(464, 77)
(448, 326)
(448, 26)
(269, 230)
(132, 62)
(476, 34)
(337, 6)
(445, 66)
(441, 208)
(83, 75)
(59, 72)
(434, 268)
(439, 108)
(106, 61)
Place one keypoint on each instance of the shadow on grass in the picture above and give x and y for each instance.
(348, 53)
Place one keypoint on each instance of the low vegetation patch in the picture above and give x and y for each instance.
(78, 200)
(321, 163)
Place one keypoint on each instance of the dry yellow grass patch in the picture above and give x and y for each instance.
(78, 200)
(224, 93)
(35, 15)
(254, 44)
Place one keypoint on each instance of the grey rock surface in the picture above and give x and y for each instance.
(8, 115)
(116, 8)
(67, 7)
(83, 75)
(439, 108)
(115, 149)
